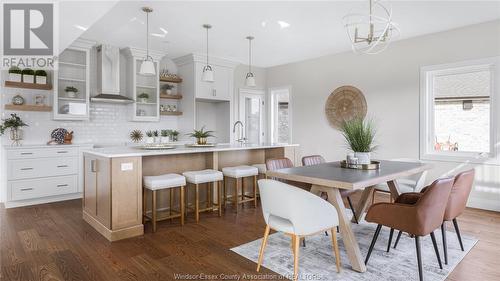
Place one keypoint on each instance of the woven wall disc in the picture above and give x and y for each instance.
(345, 103)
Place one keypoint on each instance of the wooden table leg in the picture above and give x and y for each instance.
(350, 242)
(394, 189)
(363, 203)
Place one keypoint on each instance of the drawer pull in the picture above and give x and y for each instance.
(26, 169)
(62, 152)
(26, 153)
(27, 189)
(62, 166)
(62, 185)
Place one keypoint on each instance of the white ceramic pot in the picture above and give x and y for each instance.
(71, 94)
(28, 78)
(15, 77)
(363, 157)
(41, 80)
(150, 140)
(143, 100)
(164, 139)
(169, 92)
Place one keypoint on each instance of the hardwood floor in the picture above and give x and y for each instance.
(52, 242)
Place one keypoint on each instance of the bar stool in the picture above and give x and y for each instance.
(237, 173)
(262, 169)
(157, 183)
(204, 176)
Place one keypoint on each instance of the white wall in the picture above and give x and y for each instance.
(390, 83)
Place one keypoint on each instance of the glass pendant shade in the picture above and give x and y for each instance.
(147, 67)
(250, 80)
(208, 74)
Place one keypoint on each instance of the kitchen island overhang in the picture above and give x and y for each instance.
(113, 194)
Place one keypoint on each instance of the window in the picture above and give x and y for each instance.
(281, 129)
(458, 110)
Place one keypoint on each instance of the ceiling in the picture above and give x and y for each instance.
(315, 28)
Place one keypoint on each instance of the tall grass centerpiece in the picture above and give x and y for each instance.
(201, 135)
(359, 135)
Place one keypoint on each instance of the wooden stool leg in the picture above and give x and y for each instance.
(255, 191)
(144, 204)
(242, 190)
(181, 204)
(197, 202)
(186, 195)
(236, 196)
(154, 210)
(210, 187)
(224, 191)
(219, 198)
(171, 202)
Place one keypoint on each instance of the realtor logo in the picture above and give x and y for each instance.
(28, 29)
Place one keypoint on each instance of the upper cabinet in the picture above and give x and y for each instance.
(72, 83)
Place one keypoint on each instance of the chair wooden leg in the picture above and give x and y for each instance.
(255, 191)
(390, 239)
(181, 204)
(434, 243)
(445, 245)
(263, 247)
(171, 202)
(419, 258)
(336, 249)
(236, 196)
(457, 230)
(153, 210)
(144, 204)
(197, 202)
(375, 236)
(397, 239)
(296, 258)
(224, 191)
(219, 198)
(242, 191)
(186, 195)
(210, 187)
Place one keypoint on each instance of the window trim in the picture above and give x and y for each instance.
(427, 107)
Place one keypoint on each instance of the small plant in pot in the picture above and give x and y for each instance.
(150, 137)
(156, 136)
(359, 135)
(28, 75)
(15, 74)
(167, 89)
(165, 136)
(174, 135)
(201, 135)
(143, 98)
(14, 123)
(41, 77)
(71, 91)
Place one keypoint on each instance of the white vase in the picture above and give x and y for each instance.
(28, 78)
(15, 77)
(169, 92)
(363, 157)
(41, 80)
(164, 140)
(150, 140)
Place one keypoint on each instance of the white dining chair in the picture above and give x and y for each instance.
(297, 213)
(413, 183)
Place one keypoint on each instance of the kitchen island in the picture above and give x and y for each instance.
(113, 197)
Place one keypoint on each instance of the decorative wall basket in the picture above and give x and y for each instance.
(345, 103)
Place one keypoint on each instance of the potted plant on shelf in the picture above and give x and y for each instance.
(174, 135)
(28, 75)
(165, 136)
(41, 77)
(136, 136)
(143, 98)
(201, 135)
(15, 74)
(359, 135)
(167, 89)
(149, 137)
(71, 91)
(14, 123)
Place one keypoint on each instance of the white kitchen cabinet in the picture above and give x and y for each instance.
(73, 71)
(220, 89)
(38, 174)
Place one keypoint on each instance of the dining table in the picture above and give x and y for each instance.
(330, 177)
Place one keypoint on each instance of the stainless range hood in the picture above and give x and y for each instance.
(108, 76)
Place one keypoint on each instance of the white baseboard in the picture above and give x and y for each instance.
(484, 204)
(44, 200)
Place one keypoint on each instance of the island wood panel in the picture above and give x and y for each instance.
(103, 211)
(90, 190)
(126, 191)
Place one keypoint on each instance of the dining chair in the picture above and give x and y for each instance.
(413, 183)
(462, 186)
(419, 219)
(345, 193)
(297, 213)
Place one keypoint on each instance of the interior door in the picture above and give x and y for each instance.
(251, 115)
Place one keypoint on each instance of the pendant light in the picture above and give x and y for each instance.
(250, 78)
(147, 66)
(208, 73)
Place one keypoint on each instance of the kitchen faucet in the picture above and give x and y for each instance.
(240, 136)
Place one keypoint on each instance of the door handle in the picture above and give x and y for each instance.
(62, 151)
(27, 189)
(62, 166)
(62, 185)
(26, 169)
(26, 153)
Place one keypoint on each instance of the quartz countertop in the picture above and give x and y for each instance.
(135, 151)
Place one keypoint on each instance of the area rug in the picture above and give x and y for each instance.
(317, 262)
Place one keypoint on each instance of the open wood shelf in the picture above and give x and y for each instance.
(28, 107)
(171, 97)
(171, 113)
(22, 85)
(171, 80)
